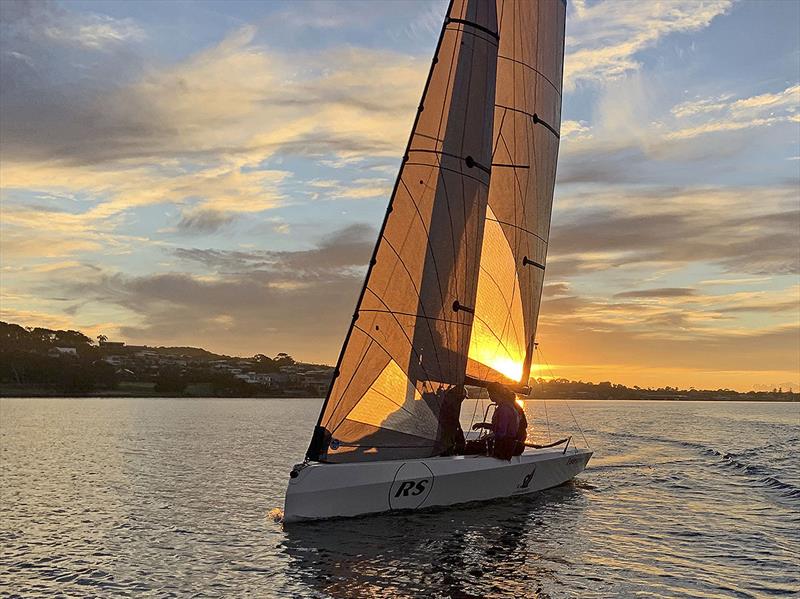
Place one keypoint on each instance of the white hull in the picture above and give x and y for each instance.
(343, 490)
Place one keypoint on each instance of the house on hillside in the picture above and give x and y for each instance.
(112, 344)
(60, 352)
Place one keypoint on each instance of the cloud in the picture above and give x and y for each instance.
(235, 98)
(674, 231)
(204, 221)
(635, 138)
(45, 19)
(342, 253)
(95, 31)
(603, 38)
(754, 112)
(198, 133)
(298, 301)
(657, 293)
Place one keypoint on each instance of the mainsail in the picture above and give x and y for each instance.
(426, 294)
(527, 119)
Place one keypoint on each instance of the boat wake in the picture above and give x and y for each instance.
(734, 462)
(759, 473)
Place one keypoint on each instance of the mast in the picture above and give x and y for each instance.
(410, 332)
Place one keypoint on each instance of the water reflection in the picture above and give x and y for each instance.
(469, 551)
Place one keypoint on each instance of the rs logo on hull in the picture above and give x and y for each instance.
(411, 487)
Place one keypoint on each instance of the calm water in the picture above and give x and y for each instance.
(116, 497)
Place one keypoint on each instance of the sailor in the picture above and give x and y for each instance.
(451, 435)
(522, 429)
(505, 421)
(504, 429)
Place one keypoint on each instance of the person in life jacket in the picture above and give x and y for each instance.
(450, 434)
(505, 421)
(501, 442)
(522, 429)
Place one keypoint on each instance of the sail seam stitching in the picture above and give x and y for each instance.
(416, 290)
(532, 68)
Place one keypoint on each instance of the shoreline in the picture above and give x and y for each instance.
(41, 393)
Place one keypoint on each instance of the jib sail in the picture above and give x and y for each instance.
(527, 119)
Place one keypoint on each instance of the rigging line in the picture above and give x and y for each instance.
(547, 418)
(469, 160)
(425, 446)
(536, 119)
(508, 304)
(500, 341)
(497, 164)
(401, 406)
(416, 290)
(455, 254)
(427, 250)
(529, 232)
(415, 316)
(575, 420)
(544, 401)
(515, 251)
(381, 232)
(499, 129)
(431, 137)
(352, 376)
(532, 68)
(410, 343)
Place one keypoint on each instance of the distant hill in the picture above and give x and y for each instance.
(41, 361)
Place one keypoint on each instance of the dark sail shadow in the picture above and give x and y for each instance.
(475, 550)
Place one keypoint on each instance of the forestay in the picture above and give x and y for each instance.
(527, 119)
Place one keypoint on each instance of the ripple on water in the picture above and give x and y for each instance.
(179, 498)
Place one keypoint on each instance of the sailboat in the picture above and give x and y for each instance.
(453, 288)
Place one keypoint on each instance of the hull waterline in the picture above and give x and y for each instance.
(321, 491)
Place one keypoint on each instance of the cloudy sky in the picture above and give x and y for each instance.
(213, 174)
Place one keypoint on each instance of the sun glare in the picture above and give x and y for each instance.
(505, 366)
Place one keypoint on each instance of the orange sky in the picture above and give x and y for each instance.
(221, 186)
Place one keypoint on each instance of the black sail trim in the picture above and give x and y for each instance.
(477, 26)
(500, 165)
(536, 119)
(526, 261)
